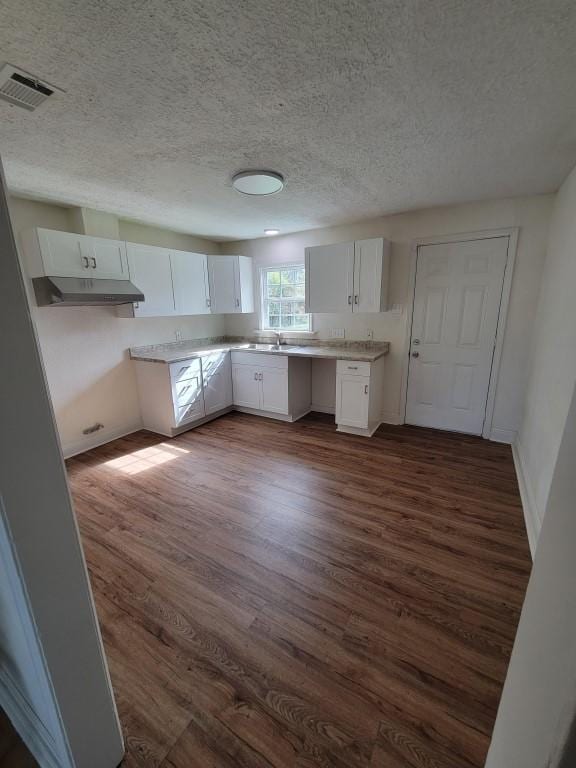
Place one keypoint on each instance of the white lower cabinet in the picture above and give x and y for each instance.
(359, 388)
(173, 397)
(274, 385)
(217, 382)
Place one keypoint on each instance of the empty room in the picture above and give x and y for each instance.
(287, 402)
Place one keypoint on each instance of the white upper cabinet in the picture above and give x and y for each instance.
(190, 280)
(231, 284)
(371, 271)
(107, 258)
(151, 272)
(64, 254)
(330, 278)
(348, 277)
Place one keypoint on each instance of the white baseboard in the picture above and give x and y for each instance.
(531, 516)
(27, 724)
(498, 435)
(391, 418)
(99, 438)
(322, 408)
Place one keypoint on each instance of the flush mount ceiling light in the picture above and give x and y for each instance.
(271, 231)
(258, 182)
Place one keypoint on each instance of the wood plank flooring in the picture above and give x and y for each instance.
(276, 594)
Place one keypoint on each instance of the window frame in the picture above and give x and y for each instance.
(265, 299)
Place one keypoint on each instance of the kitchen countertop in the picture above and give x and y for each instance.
(177, 351)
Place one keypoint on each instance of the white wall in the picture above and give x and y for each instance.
(84, 349)
(537, 710)
(553, 362)
(530, 214)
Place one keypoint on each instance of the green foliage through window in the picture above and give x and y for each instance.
(283, 299)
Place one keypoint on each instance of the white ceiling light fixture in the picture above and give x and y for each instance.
(259, 183)
(271, 231)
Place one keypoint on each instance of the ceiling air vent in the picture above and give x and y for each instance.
(23, 89)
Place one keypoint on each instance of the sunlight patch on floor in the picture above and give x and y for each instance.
(146, 458)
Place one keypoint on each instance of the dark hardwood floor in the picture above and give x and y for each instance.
(277, 594)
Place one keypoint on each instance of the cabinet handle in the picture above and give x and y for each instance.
(356, 299)
(237, 302)
(208, 303)
(349, 299)
(86, 262)
(365, 389)
(352, 367)
(261, 376)
(93, 262)
(255, 376)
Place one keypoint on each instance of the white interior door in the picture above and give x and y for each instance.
(329, 278)
(455, 318)
(190, 279)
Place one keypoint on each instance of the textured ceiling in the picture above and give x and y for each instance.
(366, 106)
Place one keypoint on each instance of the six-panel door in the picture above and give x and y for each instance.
(456, 305)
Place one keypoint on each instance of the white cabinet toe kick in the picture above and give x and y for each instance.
(175, 397)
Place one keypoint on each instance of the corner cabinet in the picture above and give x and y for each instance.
(64, 254)
(175, 397)
(231, 284)
(348, 277)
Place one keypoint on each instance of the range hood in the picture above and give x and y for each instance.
(84, 292)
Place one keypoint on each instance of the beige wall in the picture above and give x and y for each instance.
(553, 362)
(531, 215)
(85, 349)
(537, 713)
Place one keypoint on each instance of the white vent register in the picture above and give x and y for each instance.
(23, 89)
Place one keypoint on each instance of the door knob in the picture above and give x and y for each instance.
(415, 354)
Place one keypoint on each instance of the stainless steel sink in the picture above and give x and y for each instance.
(268, 347)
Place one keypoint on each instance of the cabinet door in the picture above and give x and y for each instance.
(224, 284)
(245, 287)
(352, 399)
(274, 390)
(368, 271)
(246, 385)
(217, 381)
(330, 278)
(150, 271)
(107, 258)
(190, 279)
(62, 254)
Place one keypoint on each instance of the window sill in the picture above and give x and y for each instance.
(286, 334)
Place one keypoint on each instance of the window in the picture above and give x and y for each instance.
(283, 299)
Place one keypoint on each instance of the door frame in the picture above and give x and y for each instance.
(512, 234)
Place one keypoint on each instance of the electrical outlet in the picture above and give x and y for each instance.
(337, 333)
(370, 334)
(178, 334)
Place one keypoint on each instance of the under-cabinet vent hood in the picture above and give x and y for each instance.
(84, 292)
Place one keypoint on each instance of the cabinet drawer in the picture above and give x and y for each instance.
(353, 367)
(189, 412)
(185, 369)
(243, 357)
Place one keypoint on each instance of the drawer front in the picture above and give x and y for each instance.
(185, 369)
(243, 357)
(189, 413)
(353, 367)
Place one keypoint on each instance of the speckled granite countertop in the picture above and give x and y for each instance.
(184, 350)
